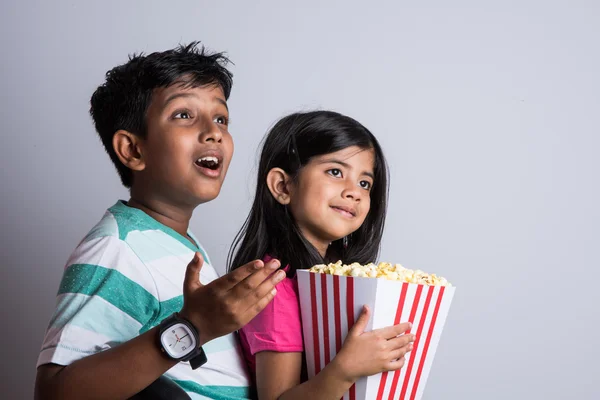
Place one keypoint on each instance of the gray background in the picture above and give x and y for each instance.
(488, 113)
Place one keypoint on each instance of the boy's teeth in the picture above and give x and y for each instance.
(208, 159)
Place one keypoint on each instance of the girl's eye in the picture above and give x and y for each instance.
(365, 185)
(335, 172)
(182, 115)
(222, 121)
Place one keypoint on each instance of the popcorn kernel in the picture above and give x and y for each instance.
(393, 272)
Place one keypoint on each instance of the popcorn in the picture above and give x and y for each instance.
(331, 299)
(393, 272)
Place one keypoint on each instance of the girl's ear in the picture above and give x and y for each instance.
(278, 182)
(128, 148)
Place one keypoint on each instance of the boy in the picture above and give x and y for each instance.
(130, 307)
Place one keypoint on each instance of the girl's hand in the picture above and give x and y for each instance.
(369, 353)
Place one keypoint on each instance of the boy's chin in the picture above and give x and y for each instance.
(203, 192)
(206, 196)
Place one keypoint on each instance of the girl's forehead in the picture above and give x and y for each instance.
(349, 155)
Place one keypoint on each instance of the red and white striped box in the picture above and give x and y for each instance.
(330, 304)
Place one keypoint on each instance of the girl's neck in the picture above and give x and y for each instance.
(319, 244)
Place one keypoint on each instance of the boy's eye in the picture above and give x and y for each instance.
(335, 172)
(221, 120)
(182, 115)
(365, 185)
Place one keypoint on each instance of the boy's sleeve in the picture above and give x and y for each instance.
(278, 326)
(106, 297)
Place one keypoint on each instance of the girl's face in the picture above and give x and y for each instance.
(331, 197)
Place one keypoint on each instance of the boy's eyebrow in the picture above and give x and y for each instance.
(346, 165)
(186, 94)
(222, 101)
(176, 96)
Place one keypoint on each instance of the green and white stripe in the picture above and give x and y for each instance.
(123, 279)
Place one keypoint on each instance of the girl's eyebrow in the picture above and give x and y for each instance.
(345, 165)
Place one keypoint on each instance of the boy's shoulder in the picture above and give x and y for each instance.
(126, 233)
(123, 235)
(119, 221)
(106, 244)
(129, 225)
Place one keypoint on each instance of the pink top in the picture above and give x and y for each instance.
(277, 328)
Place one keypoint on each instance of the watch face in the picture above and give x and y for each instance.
(178, 341)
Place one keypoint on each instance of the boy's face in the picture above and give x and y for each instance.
(188, 146)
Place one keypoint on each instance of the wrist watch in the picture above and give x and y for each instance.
(179, 340)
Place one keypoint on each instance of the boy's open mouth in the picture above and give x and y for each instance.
(209, 162)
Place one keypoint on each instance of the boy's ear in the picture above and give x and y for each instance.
(128, 148)
(278, 182)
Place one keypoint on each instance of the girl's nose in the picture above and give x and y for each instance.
(351, 191)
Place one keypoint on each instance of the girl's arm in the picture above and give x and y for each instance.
(278, 377)
(363, 354)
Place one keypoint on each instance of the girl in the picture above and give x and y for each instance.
(321, 197)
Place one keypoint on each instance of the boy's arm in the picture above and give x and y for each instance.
(117, 373)
(216, 309)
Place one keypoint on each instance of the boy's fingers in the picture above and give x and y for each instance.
(230, 280)
(260, 305)
(264, 289)
(192, 273)
(390, 332)
(249, 285)
(361, 323)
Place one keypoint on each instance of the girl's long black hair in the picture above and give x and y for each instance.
(270, 227)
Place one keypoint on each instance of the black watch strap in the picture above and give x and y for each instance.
(198, 360)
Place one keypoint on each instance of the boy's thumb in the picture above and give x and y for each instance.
(361, 323)
(192, 272)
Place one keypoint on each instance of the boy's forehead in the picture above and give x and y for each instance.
(162, 96)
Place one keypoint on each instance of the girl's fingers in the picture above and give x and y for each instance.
(394, 330)
(396, 364)
(401, 341)
(361, 323)
(399, 353)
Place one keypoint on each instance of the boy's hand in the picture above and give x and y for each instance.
(368, 353)
(229, 302)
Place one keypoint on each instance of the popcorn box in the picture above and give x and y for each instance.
(331, 303)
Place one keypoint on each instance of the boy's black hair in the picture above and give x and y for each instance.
(270, 227)
(123, 100)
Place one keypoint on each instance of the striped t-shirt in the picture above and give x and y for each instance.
(123, 279)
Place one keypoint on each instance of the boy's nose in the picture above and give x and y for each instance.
(212, 133)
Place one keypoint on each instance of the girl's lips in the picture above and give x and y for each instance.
(345, 211)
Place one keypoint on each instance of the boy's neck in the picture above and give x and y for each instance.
(165, 213)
